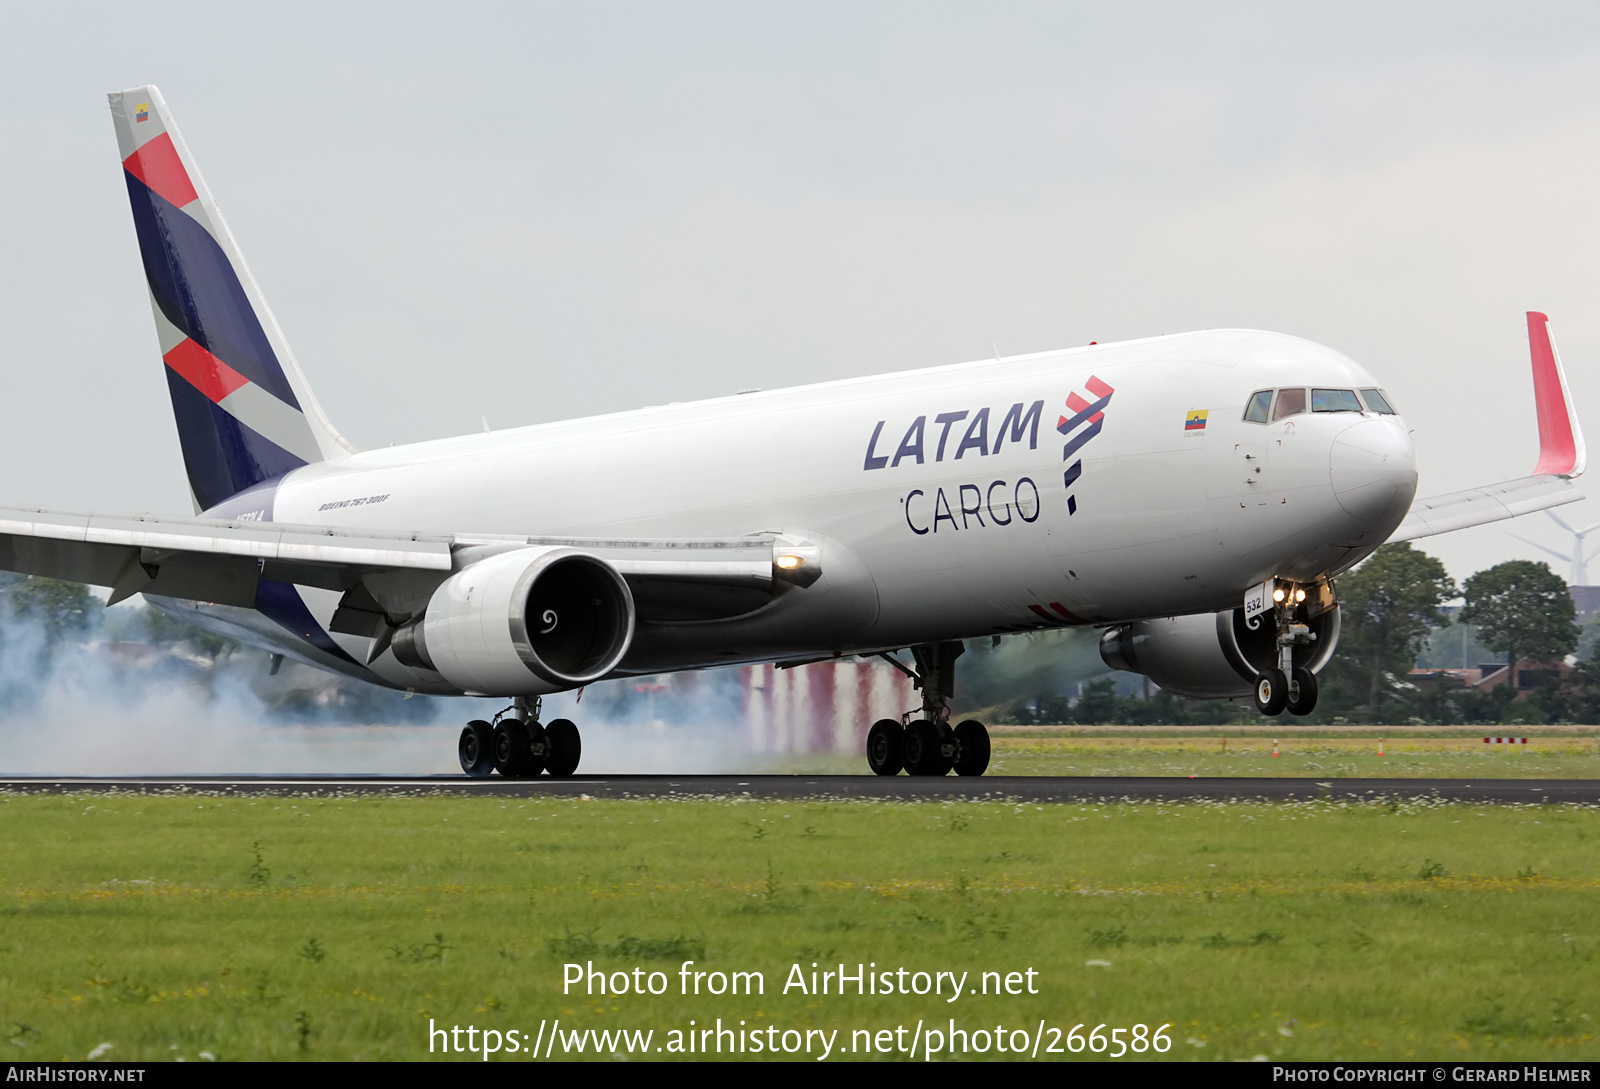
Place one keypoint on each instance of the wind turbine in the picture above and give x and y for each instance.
(1578, 558)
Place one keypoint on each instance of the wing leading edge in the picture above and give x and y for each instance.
(384, 575)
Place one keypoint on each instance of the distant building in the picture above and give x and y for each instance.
(1463, 677)
(1528, 675)
(1491, 675)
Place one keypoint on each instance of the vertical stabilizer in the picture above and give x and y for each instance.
(244, 411)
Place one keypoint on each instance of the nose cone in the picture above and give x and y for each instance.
(1374, 471)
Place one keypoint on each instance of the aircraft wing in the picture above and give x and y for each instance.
(1561, 458)
(1477, 506)
(223, 561)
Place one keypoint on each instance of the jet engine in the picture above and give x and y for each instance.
(523, 623)
(1213, 655)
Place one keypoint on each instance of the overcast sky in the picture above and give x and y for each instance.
(536, 211)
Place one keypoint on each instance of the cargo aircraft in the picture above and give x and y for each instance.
(1192, 495)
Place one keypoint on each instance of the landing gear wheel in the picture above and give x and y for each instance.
(929, 750)
(563, 747)
(1302, 692)
(972, 748)
(886, 747)
(476, 749)
(1272, 692)
(513, 755)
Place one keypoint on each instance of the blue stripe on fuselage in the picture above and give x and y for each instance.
(281, 603)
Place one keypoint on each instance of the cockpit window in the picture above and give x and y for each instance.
(1291, 402)
(1260, 402)
(1377, 402)
(1334, 400)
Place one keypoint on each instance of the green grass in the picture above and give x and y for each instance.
(1087, 751)
(1405, 756)
(298, 928)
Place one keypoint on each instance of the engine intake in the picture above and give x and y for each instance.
(1211, 655)
(523, 623)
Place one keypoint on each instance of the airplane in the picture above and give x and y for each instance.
(1193, 495)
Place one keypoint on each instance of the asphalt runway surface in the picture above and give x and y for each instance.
(1038, 789)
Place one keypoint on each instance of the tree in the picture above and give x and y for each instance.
(1522, 610)
(63, 610)
(1097, 704)
(1389, 604)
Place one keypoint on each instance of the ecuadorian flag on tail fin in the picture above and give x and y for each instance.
(244, 411)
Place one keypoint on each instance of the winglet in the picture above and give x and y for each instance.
(1561, 450)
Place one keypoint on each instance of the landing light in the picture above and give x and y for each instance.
(789, 562)
(1299, 595)
(1277, 595)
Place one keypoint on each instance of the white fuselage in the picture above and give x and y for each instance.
(963, 527)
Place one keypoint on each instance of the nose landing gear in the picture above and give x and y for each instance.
(1302, 691)
(928, 745)
(1288, 686)
(517, 746)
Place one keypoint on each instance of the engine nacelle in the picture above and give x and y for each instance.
(523, 623)
(1212, 655)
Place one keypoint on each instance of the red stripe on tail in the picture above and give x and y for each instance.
(157, 165)
(204, 371)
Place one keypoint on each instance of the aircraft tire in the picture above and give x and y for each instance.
(925, 749)
(972, 748)
(563, 748)
(513, 755)
(1272, 691)
(1303, 694)
(476, 749)
(886, 747)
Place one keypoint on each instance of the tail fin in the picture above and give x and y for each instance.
(244, 411)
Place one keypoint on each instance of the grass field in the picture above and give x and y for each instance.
(1408, 753)
(301, 928)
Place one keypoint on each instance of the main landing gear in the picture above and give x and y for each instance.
(1287, 687)
(929, 745)
(517, 746)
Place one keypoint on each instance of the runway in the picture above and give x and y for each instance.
(1037, 789)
